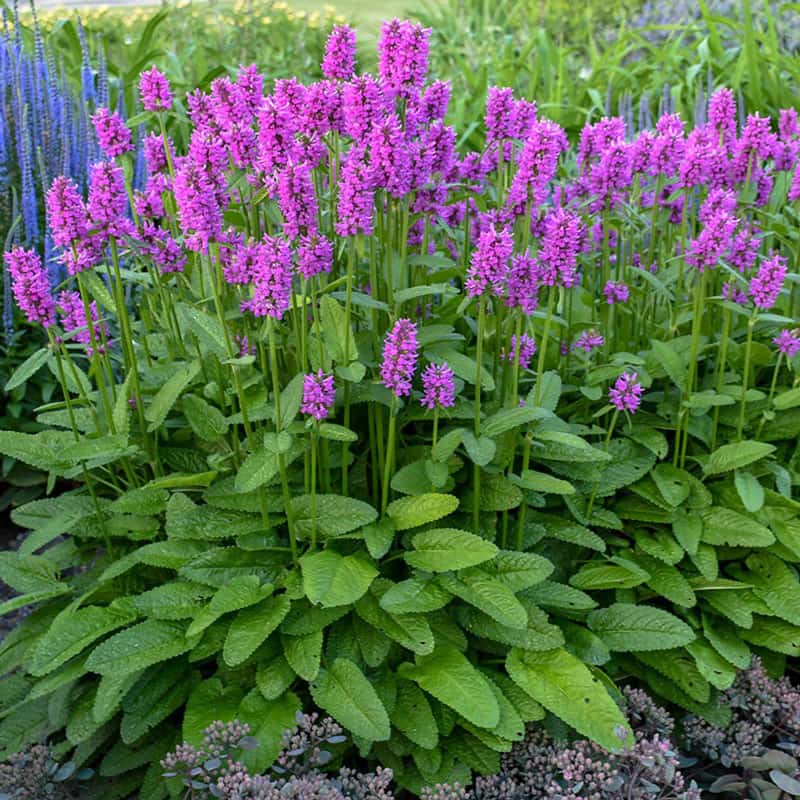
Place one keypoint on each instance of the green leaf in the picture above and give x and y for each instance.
(177, 600)
(349, 698)
(28, 573)
(268, 722)
(671, 361)
(448, 444)
(628, 627)
(209, 701)
(412, 715)
(774, 634)
(538, 635)
(725, 526)
(257, 469)
(207, 421)
(448, 676)
(337, 433)
(412, 631)
(788, 399)
(750, 491)
(488, 594)
(239, 593)
(274, 677)
(140, 646)
(208, 330)
(251, 626)
(39, 450)
(335, 515)
(563, 446)
(217, 566)
(736, 455)
(480, 450)
(518, 570)
(156, 695)
(334, 331)
(542, 482)
(507, 419)
(330, 579)
(718, 671)
(411, 512)
(28, 368)
(71, 632)
(446, 549)
(466, 368)
(566, 688)
(291, 400)
(304, 654)
(415, 596)
(776, 584)
(168, 394)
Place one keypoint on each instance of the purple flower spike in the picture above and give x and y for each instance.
(154, 90)
(30, 286)
(340, 54)
(272, 281)
(788, 342)
(527, 349)
(616, 292)
(66, 212)
(766, 284)
(400, 357)
(488, 267)
(561, 244)
(438, 387)
(113, 135)
(626, 394)
(314, 255)
(588, 341)
(403, 51)
(73, 317)
(319, 394)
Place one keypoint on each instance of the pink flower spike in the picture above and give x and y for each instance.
(626, 394)
(154, 90)
(319, 394)
(400, 357)
(438, 386)
(788, 342)
(30, 286)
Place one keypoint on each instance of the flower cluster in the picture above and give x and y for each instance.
(319, 394)
(626, 394)
(400, 355)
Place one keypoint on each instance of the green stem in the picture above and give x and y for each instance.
(390, 448)
(751, 323)
(772, 386)
(476, 470)
(723, 357)
(597, 483)
(314, 435)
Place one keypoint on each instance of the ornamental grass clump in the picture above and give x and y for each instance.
(347, 422)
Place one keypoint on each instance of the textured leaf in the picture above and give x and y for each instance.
(774, 634)
(480, 450)
(518, 570)
(412, 631)
(448, 676)
(725, 639)
(239, 593)
(537, 635)
(140, 646)
(349, 698)
(412, 715)
(776, 584)
(335, 515)
(411, 512)
(719, 672)
(209, 701)
(489, 595)
(257, 469)
(274, 677)
(681, 669)
(628, 627)
(72, 631)
(28, 368)
(304, 654)
(268, 721)
(168, 394)
(671, 361)
(750, 491)
(507, 419)
(219, 565)
(28, 573)
(736, 455)
(415, 596)
(157, 693)
(207, 421)
(725, 526)
(542, 482)
(446, 549)
(566, 688)
(251, 626)
(330, 579)
(177, 600)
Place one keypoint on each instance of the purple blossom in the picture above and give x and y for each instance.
(400, 357)
(30, 286)
(705, 251)
(113, 135)
(561, 243)
(155, 154)
(403, 50)
(314, 255)
(501, 115)
(356, 194)
(108, 201)
(626, 394)
(766, 284)
(596, 138)
(275, 136)
(722, 116)
(340, 54)
(788, 342)
(322, 108)
(537, 165)
(432, 105)
(297, 200)
(744, 248)
(733, 294)
(66, 212)
(522, 288)
(362, 106)
(245, 263)
(154, 91)
(588, 341)
(488, 269)
(272, 282)
(319, 394)
(73, 318)
(159, 245)
(794, 189)
(150, 202)
(438, 386)
(668, 145)
(389, 157)
(616, 292)
(527, 349)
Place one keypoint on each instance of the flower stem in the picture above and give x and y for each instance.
(476, 470)
(748, 351)
(390, 447)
